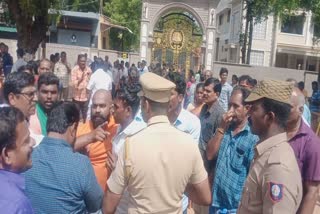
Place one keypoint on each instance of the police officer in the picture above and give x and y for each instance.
(159, 163)
(273, 184)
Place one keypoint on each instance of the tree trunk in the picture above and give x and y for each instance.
(250, 41)
(245, 39)
(31, 30)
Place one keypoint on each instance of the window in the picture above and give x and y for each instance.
(226, 41)
(316, 32)
(260, 30)
(236, 26)
(104, 43)
(293, 24)
(229, 14)
(221, 19)
(257, 58)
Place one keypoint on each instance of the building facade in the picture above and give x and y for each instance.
(288, 43)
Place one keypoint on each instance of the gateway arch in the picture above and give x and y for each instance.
(179, 32)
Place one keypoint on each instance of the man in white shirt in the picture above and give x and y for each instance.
(181, 118)
(226, 90)
(144, 67)
(126, 113)
(98, 80)
(20, 62)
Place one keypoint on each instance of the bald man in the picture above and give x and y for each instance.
(95, 136)
(44, 66)
(207, 74)
(306, 146)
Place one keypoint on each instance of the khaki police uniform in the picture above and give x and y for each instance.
(157, 163)
(274, 182)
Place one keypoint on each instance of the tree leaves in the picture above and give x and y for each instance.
(125, 13)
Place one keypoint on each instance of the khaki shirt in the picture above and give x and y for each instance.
(274, 181)
(163, 160)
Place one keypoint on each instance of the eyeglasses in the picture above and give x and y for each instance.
(28, 95)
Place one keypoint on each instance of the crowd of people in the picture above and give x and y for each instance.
(102, 137)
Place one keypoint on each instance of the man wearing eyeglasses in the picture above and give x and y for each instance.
(19, 91)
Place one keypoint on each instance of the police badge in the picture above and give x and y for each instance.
(276, 192)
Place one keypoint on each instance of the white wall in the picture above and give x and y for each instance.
(260, 73)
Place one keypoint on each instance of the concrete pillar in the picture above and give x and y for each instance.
(210, 38)
(308, 29)
(144, 40)
(289, 61)
(318, 64)
(305, 57)
(144, 33)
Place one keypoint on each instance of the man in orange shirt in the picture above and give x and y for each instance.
(96, 135)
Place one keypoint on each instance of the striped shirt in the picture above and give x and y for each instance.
(233, 164)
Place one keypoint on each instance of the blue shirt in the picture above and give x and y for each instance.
(61, 181)
(306, 115)
(233, 164)
(314, 102)
(190, 124)
(12, 197)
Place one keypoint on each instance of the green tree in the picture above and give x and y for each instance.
(31, 19)
(126, 13)
(83, 5)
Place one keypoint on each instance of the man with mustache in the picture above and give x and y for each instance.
(210, 117)
(48, 94)
(126, 113)
(15, 158)
(19, 92)
(273, 184)
(306, 146)
(233, 147)
(95, 136)
(80, 76)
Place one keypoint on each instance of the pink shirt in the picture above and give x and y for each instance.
(80, 79)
